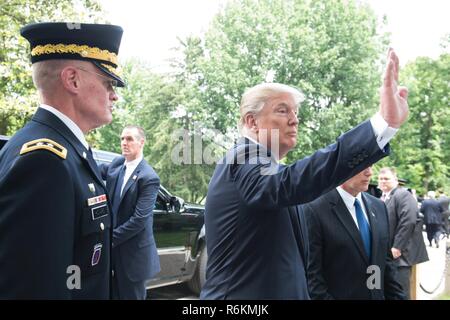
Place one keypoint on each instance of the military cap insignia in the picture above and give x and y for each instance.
(97, 43)
(44, 144)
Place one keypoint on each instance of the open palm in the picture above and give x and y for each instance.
(393, 98)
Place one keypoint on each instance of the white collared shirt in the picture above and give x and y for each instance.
(383, 132)
(129, 169)
(69, 124)
(387, 195)
(349, 201)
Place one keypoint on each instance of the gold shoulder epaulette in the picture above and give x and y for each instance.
(45, 144)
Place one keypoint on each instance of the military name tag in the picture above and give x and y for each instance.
(96, 254)
(96, 200)
(99, 212)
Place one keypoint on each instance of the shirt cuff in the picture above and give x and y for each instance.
(383, 133)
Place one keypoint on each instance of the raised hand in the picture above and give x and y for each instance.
(393, 98)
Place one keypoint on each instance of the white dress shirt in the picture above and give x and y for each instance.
(69, 124)
(129, 169)
(383, 132)
(349, 201)
(387, 195)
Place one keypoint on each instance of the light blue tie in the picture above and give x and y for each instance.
(364, 228)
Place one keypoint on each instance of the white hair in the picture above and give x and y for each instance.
(254, 99)
(45, 73)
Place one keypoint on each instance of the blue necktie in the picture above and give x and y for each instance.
(116, 199)
(363, 227)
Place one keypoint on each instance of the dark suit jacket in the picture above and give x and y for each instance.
(134, 250)
(444, 202)
(253, 233)
(47, 223)
(432, 211)
(406, 227)
(337, 263)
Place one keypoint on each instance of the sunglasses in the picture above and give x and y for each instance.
(111, 83)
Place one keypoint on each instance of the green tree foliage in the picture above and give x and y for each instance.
(421, 149)
(329, 49)
(17, 95)
(157, 104)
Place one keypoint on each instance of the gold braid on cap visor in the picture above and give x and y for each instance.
(112, 69)
(84, 51)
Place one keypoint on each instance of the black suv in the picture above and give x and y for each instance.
(179, 233)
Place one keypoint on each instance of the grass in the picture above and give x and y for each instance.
(444, 296)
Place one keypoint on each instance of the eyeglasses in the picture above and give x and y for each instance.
(111, 83)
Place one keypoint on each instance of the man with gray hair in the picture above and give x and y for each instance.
(55, 221)
(254, 236)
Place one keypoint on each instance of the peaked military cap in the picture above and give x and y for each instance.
(97, 43)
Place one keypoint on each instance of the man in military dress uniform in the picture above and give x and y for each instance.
(55, 221)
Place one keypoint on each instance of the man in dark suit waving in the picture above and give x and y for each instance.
(254, 236)
(349, 250)
(133, 187)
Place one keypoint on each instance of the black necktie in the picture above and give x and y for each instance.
(117, 190)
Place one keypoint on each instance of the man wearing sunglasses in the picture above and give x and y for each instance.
(55, 220)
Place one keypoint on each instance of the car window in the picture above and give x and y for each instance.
(3, 140)
(160, 204)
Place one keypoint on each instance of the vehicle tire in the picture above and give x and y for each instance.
(198, 279)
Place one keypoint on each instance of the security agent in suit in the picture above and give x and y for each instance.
(432, 217)
(133, 187)
(444, 202)
(55, 220)
(254, 236)
(348, 239)
(405, 226)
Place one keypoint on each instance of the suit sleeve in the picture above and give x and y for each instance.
(406, 210)
(312, 176)
(103, 168)
(143, 213)
(317, 286)
(37, 229)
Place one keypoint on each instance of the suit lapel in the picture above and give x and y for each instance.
(132, 179)
(300, 234)
(390, 201)
(92, 165)
(345, 217)
(115, 177)
(370, 210)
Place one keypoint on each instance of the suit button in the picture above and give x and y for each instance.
(112, 273)
(102, 226)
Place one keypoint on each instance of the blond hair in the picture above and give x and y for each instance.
(254, 99)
